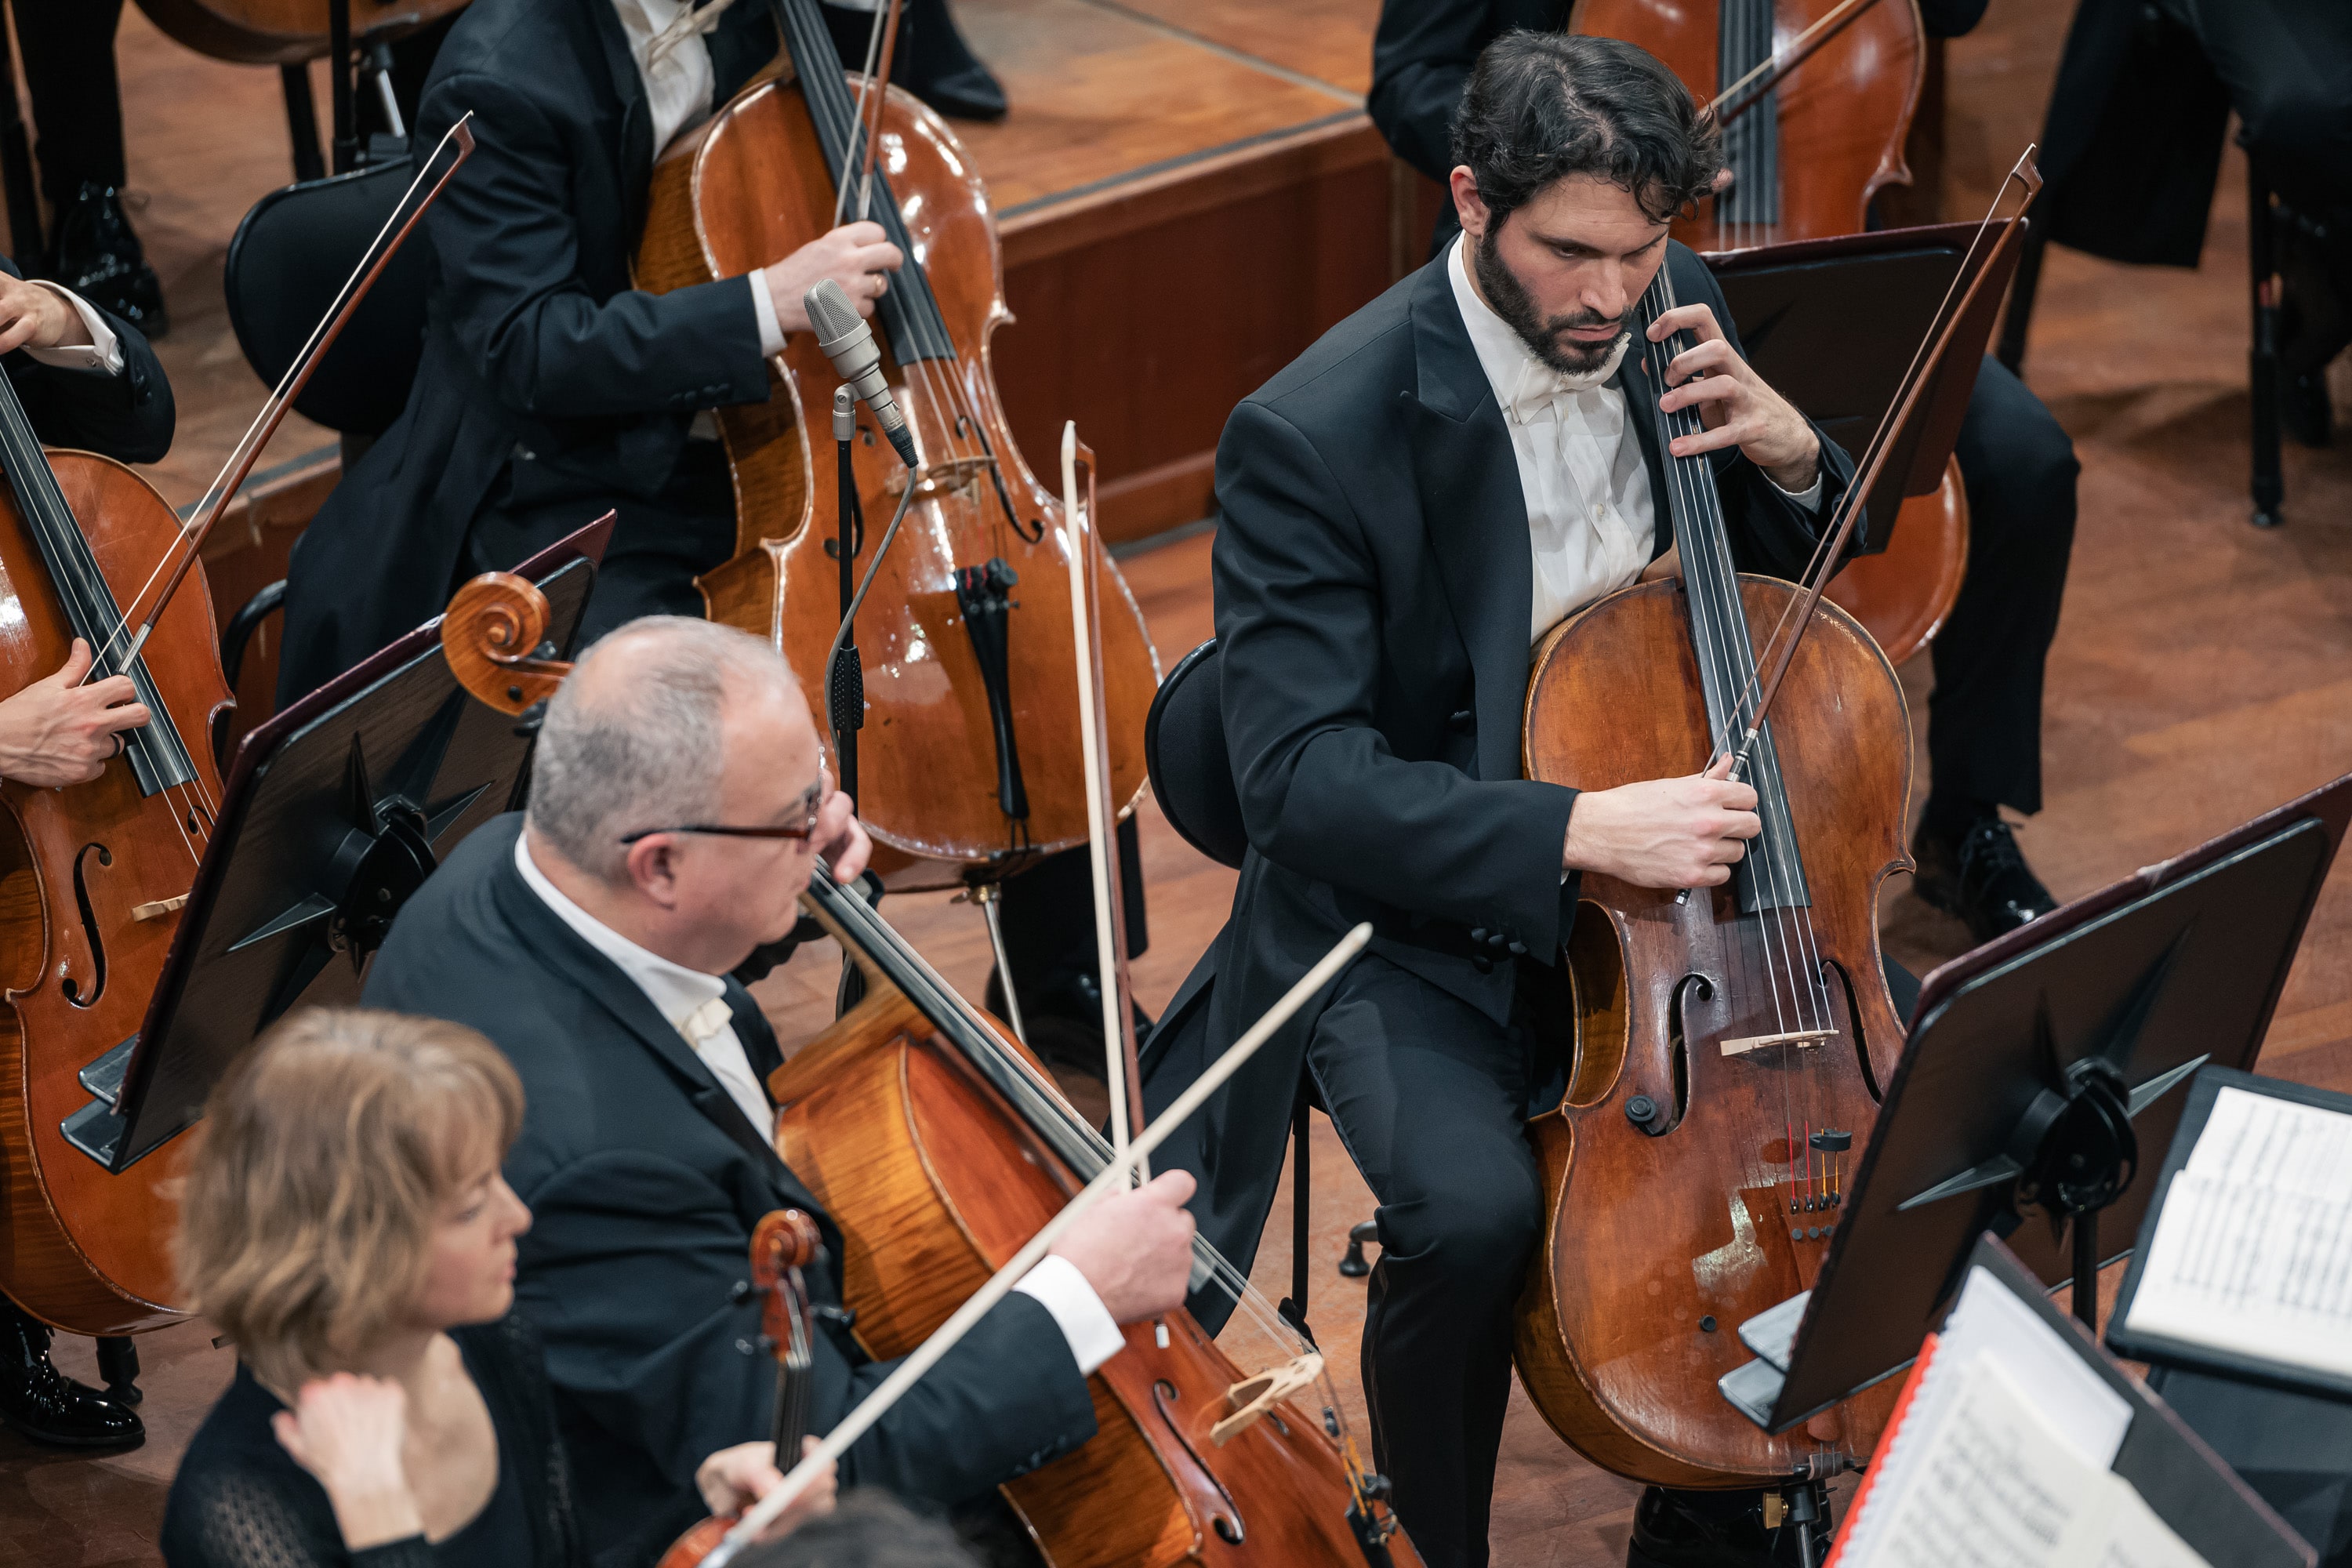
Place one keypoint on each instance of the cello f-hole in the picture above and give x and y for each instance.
(68, 985)
(1678, 1040)
(1853, 1021)
(1226, 1522)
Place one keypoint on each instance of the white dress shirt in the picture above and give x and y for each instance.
(103, 352)
(696, 1006)
(678, 85)
(1592, 521)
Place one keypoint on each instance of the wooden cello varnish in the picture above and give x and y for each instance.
(753, 184)
(1663, 1235)
(86, 1249)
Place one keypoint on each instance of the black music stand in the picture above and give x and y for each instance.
(336, 811)
(2041, 1064)
(1789, 299)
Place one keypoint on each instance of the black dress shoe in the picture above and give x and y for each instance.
(1978, 874)
(44, 1405)
(96, 255)
(932, 59)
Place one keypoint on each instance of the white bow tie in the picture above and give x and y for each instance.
(1539, 385)
(713, 1018)
(684, 26)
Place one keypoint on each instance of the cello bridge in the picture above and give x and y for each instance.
(938, 482)
(1801, 1038)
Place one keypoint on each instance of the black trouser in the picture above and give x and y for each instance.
(1984, 721)
(1432, 1099)
(68, 48)
(659, 548)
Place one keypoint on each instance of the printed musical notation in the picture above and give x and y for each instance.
(2252, 1250)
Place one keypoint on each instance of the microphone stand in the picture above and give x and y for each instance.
(845, 681)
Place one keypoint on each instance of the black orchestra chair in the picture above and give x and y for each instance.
(285, 268)
(1192, 779)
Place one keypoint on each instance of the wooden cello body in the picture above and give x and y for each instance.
(938, 1150)
(1726, 1047)
(92, 878)
(753, 184)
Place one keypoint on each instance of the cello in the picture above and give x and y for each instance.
(283, 32)
(966, 768)
(941, 1148)
(1729, 1044)
(96, 874)
(1815, 99)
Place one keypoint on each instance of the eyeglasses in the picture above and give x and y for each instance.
(812, 804)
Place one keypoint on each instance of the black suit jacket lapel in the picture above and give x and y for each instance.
(542, 933)
(633, 143)
(1475, 514)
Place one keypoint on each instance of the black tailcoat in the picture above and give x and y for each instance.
(644, 1182)
(1374, 584)
(545, 376)
(127, 417)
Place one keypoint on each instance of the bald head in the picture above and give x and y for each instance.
(638, 736)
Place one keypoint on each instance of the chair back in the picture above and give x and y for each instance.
(1184, 753)
(291, 255)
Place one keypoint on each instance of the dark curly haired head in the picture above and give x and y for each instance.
(1542, 106)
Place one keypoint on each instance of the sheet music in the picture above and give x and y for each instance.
(1994, 1485)
(2253, 1251)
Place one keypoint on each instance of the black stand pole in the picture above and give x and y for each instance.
(845, 681)
(338, 61)
(2268, 485)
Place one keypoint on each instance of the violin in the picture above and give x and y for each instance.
(966, 768)
(1729, 1044)
(784, 1242)
(941, 1150)
(97, 873)
(283, 32)
(1815, 99)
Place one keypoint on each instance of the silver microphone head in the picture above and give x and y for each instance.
(856, 358)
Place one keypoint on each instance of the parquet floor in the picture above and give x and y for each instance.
(2202, 671)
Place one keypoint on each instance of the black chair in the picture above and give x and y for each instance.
(288, 260)
(1192, 779)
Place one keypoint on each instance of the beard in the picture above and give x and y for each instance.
(1544, 336)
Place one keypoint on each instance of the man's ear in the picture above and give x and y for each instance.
(1469, 207)
(652, 868)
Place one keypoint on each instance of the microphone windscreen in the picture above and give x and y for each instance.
(830, 312)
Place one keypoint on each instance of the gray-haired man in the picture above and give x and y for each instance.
(677, 802)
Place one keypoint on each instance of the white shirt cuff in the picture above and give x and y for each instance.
(1059, 1287)
(104, 350)
(1810, 498)
(763, 305)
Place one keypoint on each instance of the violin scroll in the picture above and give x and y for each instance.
(494, 635)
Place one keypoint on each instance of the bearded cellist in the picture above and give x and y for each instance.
(1405, 511)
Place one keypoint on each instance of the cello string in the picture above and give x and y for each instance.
(865, 86)
(1701, 568)
(1710, 633)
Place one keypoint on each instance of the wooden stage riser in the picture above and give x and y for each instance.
(1148, 319)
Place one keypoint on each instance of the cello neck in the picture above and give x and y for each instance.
(909, 310)
(1719, 636)
(157, 758)
(1751, 141)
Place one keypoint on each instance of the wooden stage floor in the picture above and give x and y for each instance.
(2202, 671)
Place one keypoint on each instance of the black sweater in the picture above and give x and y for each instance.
(241, 1501)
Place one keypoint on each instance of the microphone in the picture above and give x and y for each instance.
(849, 343)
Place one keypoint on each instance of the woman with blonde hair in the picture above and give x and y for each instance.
(345, 1224)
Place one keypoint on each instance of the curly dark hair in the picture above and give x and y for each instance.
(1541, 106)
